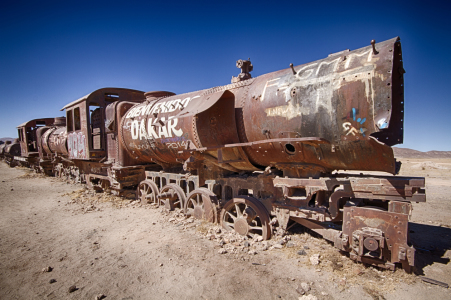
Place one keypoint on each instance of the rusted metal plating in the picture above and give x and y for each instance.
(374, 211)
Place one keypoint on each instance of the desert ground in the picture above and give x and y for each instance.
(61, 241)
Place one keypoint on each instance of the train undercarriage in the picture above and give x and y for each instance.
(365, 216)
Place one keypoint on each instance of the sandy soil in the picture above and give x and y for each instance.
(55, 235)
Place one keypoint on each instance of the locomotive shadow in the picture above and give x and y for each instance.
(431, 243)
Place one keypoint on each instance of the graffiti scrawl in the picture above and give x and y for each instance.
(76, 144)
(350, 129)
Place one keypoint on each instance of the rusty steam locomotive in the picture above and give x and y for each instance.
(254, 155)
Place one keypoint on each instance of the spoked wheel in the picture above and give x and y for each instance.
(200, 204)
(247, 216)
(148, 192)
(172, 196)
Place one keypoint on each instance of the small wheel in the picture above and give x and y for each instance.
(172, 196)
(200, 204)
(147, 192)
(247, 216)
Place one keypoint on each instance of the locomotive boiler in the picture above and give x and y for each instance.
(340, 113)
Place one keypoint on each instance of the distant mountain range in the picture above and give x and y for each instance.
(410, 153)
(7, 139)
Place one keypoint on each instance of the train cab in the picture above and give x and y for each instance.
(85, 121)
(28, 139)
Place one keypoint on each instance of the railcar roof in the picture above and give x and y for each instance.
(25, 123)
(99, 91)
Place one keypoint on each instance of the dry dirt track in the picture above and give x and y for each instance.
(125, 251)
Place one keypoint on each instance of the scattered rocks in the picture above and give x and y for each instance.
(72, 289)
(308, 297)
(100, 297)
(90, 208)
(305, 286)
(246, 244)
(52, 280)
(47, 269)
(276, 246)
(314, 259)
(229, 248)
(252, 252)
(281, 242)
(300, 290)
(258, 239)
(302, 252)
(263, 247)
(358, 271)
(290, 244)
(342, 281)
(222, 251)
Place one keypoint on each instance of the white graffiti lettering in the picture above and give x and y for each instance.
(176, 145)
(171, 127)
(141, 147)
(76, 145)
(162, 131)
(161, 107)
(349, 128)
(142, 130)
(135, 129)
(151, 130)
(166, 130)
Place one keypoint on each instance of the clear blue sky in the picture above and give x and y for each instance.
(53, 52)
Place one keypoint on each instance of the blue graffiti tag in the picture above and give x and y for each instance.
(347, 126)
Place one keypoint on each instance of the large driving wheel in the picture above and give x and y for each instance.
(200, 204)
(247, 216)
(148, 192)
(172, 196)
